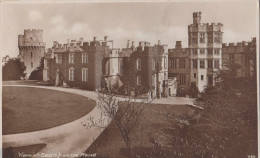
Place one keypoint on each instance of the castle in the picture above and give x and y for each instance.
(198, 63)
(31, 49)
(142, 69)
(96, 65)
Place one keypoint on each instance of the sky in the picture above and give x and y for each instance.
(122, 21)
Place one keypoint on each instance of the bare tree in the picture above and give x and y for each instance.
(124, 112)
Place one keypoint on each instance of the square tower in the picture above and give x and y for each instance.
(205, 43)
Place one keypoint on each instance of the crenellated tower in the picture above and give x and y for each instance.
(31, 49)
(205, 43)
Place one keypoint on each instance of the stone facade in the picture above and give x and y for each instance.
(135, 70)
(31, 49)
(180, 66)
(198, 64)
(205, 43)
(244, 55)
(146, 69)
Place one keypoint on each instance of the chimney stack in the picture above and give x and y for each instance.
(128, 44)
(159, 42)
(105, 38)
(178, 44)
(133, 44)
(94, 38)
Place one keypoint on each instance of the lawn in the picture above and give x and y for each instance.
(110, 144)
(31, 109)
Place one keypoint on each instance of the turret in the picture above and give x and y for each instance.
(196, 17)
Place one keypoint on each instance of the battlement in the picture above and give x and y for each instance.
(31, 37)
(196, 14)
(233, 45)
(32, 30)
(216, 24)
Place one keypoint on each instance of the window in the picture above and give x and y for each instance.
(217, 37)
(58, 58)
(210, 63)
(194, 75)
(153, 80)
(202, 37)
(138, 80)
(182, 63)
(138, 64)
(182, 80)
(195, 63)
(210, 51)
(216, 63)
(216, 51)
(173, 63)
(31, 55)
(202, 64)
(71, 74)
(165, 62)
(194, 37)
(210, 38)
(202, 51)
(201, 77)
(195, 52)
(84, 74)
(153, 64)
(84, 58)
(71, 58)
(31, 64)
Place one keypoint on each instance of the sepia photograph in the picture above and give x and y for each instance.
(129, 79)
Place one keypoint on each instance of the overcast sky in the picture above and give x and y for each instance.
(148, 21)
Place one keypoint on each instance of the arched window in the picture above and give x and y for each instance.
(71, 74)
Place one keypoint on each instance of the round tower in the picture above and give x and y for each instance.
(31, 49)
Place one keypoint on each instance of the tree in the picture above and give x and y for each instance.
(124, 112)
(226, 127)
(13, 68)
(37, 74)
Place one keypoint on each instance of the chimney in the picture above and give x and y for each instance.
(159, 42)
(133, 44)
(94, 38)
(128, 44)
(105, 38)
(231, 44)
(178, 44)
(141, 45)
